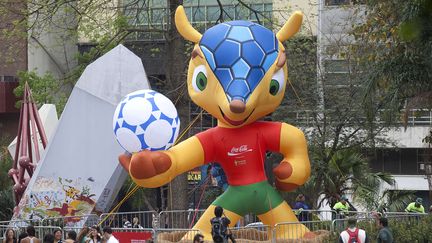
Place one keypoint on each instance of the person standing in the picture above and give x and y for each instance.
(198, 238)
(58, 236)
(9, 236)
(415, 207)
(385, 235)
(300, 206)
(126, 223)
(136, 224)
(353, 234)
(71, 237)
(31, 238)
(342, 207)
(49, 238)
(94, 235)
(82, 235)
(107, 234)
(220, 227)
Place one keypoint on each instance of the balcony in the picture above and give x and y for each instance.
(415, 117)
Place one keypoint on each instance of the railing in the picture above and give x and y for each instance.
(145, 219)
(325, 225)
(416, 117)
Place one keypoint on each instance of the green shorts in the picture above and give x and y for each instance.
(257, 198)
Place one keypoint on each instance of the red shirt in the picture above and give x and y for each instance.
(241, 151)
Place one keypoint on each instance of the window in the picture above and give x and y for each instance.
(344, 2)
(8, 79)
(409, 161)
(336, 66)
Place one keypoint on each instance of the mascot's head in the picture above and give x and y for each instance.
(238, 69)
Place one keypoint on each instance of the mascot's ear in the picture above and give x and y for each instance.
(184, 27)
(291, 27)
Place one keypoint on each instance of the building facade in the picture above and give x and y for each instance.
(405, 155)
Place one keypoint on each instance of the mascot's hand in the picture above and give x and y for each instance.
(145, 165)
(283, 173)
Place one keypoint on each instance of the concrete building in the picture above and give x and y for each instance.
(13, 58)
(406, 157)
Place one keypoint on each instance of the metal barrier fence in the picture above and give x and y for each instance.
(314, 215)
(144, 219)
(71, 221)
(173, 225)
(179, 218)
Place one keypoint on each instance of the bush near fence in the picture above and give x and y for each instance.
(404, 228)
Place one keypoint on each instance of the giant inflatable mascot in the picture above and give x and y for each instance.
(237, 73)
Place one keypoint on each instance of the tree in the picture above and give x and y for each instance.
(326, 99)
(395, 42)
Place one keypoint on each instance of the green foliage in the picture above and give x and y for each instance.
(395, 43)
(45, 89)
(404, 229)
(7, 201)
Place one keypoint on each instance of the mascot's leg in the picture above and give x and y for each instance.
(284, 213)
(203, 225)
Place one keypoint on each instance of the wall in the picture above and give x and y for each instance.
(52, 43)
(282, 9)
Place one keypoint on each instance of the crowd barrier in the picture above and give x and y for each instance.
(174, 225)
(146, 219)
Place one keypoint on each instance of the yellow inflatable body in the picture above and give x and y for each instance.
(237, 73)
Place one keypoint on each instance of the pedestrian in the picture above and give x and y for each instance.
(198, 238)
(415, 207)
(126, 223)
(136, 224)
(9, 236)
(385, 235)
(342, 207)
(430, 209)
(82, 235)
(71, 237)
(49, 238)
(107, 235)
(300, 206)
(31, 238)
(94, 235)
(58, 236)
(353, 234)
(219, 227)
(21, 236)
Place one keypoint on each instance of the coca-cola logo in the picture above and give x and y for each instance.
(239, 150)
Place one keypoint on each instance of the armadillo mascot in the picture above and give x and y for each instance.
(238, 74)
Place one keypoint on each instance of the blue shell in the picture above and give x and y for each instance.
(239, 54)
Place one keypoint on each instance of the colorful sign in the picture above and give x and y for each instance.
(133, 237)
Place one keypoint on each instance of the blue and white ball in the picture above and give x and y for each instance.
(146, 119)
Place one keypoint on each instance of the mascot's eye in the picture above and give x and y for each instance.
(199, 78)
(277, 82)
(201, 81)
(274, 87)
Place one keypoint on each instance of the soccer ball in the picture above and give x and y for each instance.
(146, 119)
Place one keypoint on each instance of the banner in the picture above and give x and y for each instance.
(133, 237)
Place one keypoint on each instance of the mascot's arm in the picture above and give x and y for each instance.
(294, 169)
(154, 169)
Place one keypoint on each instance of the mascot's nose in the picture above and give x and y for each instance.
(237, 106)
